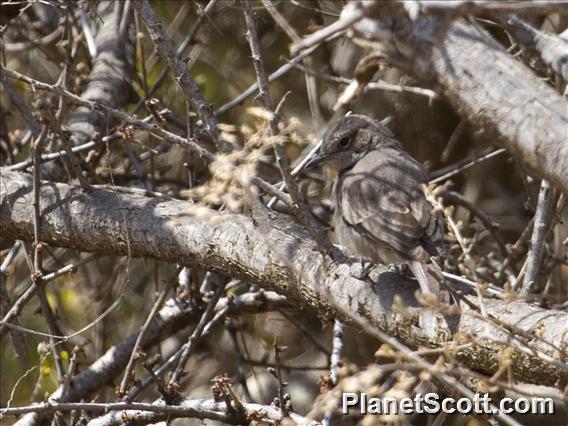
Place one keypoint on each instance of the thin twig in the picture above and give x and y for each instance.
(83, 147)
(253, 88)
(374, 85)
(544, 211)
(37, 272)
(489, 224)
(311, 86)
(77, 352)
(10, 257)
(36, 155)
(337, 345)
(166, 49)
(232, 328)
(454, 138)
(30, 292)
(306, 331)
(454, 169)
(296, 170)
(19, 103)
(198, 22)
(516, 250)
(299, 208)
(88, 34)
(196, 335)
(65, 338)
(16, 337)
(135, 351)
(260, 301)
(283, 398)
(309, 367)
(491, 289)
(337, 28)
(189, 39)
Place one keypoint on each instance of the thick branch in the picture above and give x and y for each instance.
(278, 256)
(487, 85)
(108, 84)
(552, 49)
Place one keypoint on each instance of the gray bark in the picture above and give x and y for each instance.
(552, 49)
(493, 90)
(275, 253)
(109, 83)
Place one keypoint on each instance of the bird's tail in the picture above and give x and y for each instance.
(431, 280)
(428, 282)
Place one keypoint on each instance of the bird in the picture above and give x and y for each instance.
(381, 213)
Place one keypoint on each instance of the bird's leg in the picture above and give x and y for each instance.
(362, 269)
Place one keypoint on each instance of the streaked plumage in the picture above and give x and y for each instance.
(381, 212)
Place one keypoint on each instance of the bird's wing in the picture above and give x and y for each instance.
(384, 202)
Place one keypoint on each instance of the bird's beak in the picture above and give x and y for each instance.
(316, 160)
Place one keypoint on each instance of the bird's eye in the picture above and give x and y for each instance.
(345, 141)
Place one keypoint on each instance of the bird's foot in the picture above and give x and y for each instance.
(399, 268)
(361, 270)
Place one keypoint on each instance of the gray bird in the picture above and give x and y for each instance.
(380, 211)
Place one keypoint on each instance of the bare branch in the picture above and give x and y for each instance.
(488, 86)
(166, 49)
(253, 88)
(489, 224)
(146, 413)
(299, 207)
(279, 257)
(544, 212)
(141, 124)
(108, 83)
(196, 335)
(553, 50)
(137, 345)
(172, 317)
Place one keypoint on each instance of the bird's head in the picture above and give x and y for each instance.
(348, 139)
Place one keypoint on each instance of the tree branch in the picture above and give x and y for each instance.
(487, 85)
(553, 50)
(172, 317)
(544, 213)
(108, 84)
(166, 49)
(141, 413)
(281, 257)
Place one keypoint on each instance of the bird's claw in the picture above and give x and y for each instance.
(398, 268)
(360, 270)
